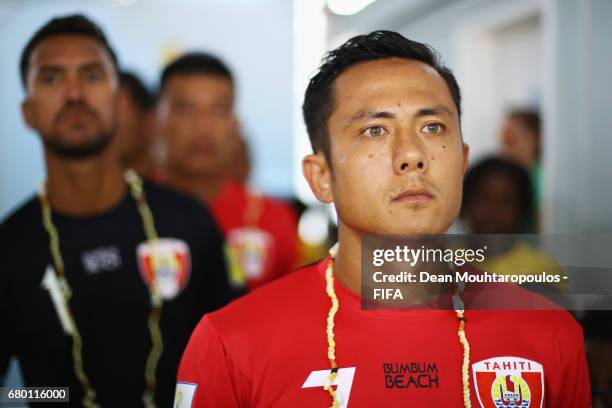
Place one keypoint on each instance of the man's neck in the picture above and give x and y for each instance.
(84, 187)
(347, 265)
(142, 163)
(347, 269)
(205, 188)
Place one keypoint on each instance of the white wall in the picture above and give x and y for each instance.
(498, 67)
(254, 38)
(578, 175)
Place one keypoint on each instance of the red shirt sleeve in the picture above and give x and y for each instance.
(207, 376)
(576, 390)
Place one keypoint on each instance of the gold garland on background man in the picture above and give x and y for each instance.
(136, 188)
(331, 343)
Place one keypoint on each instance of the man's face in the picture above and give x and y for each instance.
(396, 150)
(519, 143)
(494, 207)
(72, 86)
(196, 118)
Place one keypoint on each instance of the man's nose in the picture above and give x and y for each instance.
(408, 154)
(74, 89)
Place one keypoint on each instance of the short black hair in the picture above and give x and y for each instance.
(196, 63)
(73, 24)
(495, 165)
(138, 92)
(319, 101)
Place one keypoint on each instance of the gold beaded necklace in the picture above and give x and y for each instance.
(331, 343)
(136, 188)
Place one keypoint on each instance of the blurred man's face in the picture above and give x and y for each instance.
(133, 127)
(196, 118)
(519, 143)
(494, 207)
(396, 150)
(72, 89)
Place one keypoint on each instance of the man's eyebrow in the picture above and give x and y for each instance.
(372, 115)
(91, 65)
(434, 110)
(50, 68)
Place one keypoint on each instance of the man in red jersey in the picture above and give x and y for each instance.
(383, 116)
(197, 120)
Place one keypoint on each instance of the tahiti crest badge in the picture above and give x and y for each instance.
(251, 251)
(509, 382)
(171, 260)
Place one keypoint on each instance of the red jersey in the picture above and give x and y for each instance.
(260, 232)
(269, 349)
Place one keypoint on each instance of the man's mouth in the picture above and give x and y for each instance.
(414, 195)
(202, 148)
(75, 115)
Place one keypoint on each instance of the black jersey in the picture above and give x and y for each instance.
(108, 266)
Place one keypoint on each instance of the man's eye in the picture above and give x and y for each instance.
(374, 131)
(219, 111)
(93, 76)
(433, 128)
(50, 79)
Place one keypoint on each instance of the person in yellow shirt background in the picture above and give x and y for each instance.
(498, 200)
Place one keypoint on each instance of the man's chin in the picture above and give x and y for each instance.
(195, 169)
(78, 151)
(418, 228)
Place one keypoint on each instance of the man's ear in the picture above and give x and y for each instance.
(318, 174)
(466, 157)
(27, 113)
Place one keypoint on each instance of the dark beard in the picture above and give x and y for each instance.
(78, 152)
(102, 140)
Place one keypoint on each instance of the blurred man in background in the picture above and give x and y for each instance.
(498, 200)
(104, 276)
(521, 143)
(135, 125)
(197, 121)
(521, 137)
